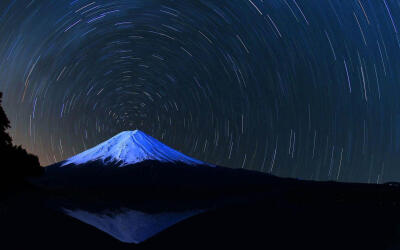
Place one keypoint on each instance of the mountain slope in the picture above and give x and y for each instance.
(130, 147)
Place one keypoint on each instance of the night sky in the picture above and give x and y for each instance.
(298, 88)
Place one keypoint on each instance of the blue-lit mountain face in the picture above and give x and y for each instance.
(131, 147)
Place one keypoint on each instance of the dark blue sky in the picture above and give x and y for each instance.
(300, 88)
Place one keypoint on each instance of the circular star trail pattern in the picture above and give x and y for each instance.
(298, 88)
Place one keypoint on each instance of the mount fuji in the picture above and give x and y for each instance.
(132, 186)
(131, 147)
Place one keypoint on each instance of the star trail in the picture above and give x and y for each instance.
(298, 88)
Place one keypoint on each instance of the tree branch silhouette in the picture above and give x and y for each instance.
(15, 162)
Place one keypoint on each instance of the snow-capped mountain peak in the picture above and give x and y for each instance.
(130, 147)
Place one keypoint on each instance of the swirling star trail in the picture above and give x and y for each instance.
(299, 88)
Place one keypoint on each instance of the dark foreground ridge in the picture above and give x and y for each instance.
(236, 208)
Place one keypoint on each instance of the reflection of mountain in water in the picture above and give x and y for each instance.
(134, 202)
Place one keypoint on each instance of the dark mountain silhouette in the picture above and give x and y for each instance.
(238, 208)
(17, 163)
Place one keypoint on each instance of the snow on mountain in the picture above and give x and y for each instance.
(130, 147)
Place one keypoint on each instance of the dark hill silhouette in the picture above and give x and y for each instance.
(276, 213)
(16, 163)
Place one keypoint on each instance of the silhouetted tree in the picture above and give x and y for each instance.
(5, 139)
(15, 163)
